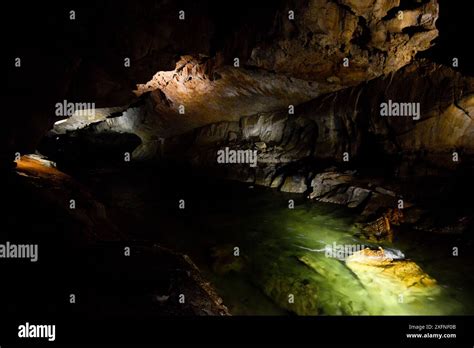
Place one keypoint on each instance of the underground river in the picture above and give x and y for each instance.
(267, 259)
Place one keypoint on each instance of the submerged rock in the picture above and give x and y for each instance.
(309, 283)
(224, 260)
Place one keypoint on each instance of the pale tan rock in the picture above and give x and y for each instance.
(403, 279)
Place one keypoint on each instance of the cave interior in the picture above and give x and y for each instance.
(177, 158)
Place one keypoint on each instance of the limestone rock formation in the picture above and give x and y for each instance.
(83, 240)
(323, 287)
(380, 230)
(326, 127)
(376, 36)
(300, 83)
(294, 183)
(284, 63)
(350, 120)
(76, 209)
(208, 92)
(293, 150)
(403, 279)
(332, 188)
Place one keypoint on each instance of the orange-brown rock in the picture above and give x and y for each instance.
(377, 37)
(400, 277)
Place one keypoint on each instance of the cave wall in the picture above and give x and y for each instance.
(83, 59)
(347, 117)
(323, 128)
(347, 121)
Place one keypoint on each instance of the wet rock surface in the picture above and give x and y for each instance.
(403, 278)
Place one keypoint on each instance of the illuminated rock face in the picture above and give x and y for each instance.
(333, 187)
(369, 282)
(292, 61)
(402, 281)
(202, 91)
(323, 129)
(377, 37)
(349, 122)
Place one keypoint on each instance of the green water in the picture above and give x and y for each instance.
(273, 240)
(281, 267)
